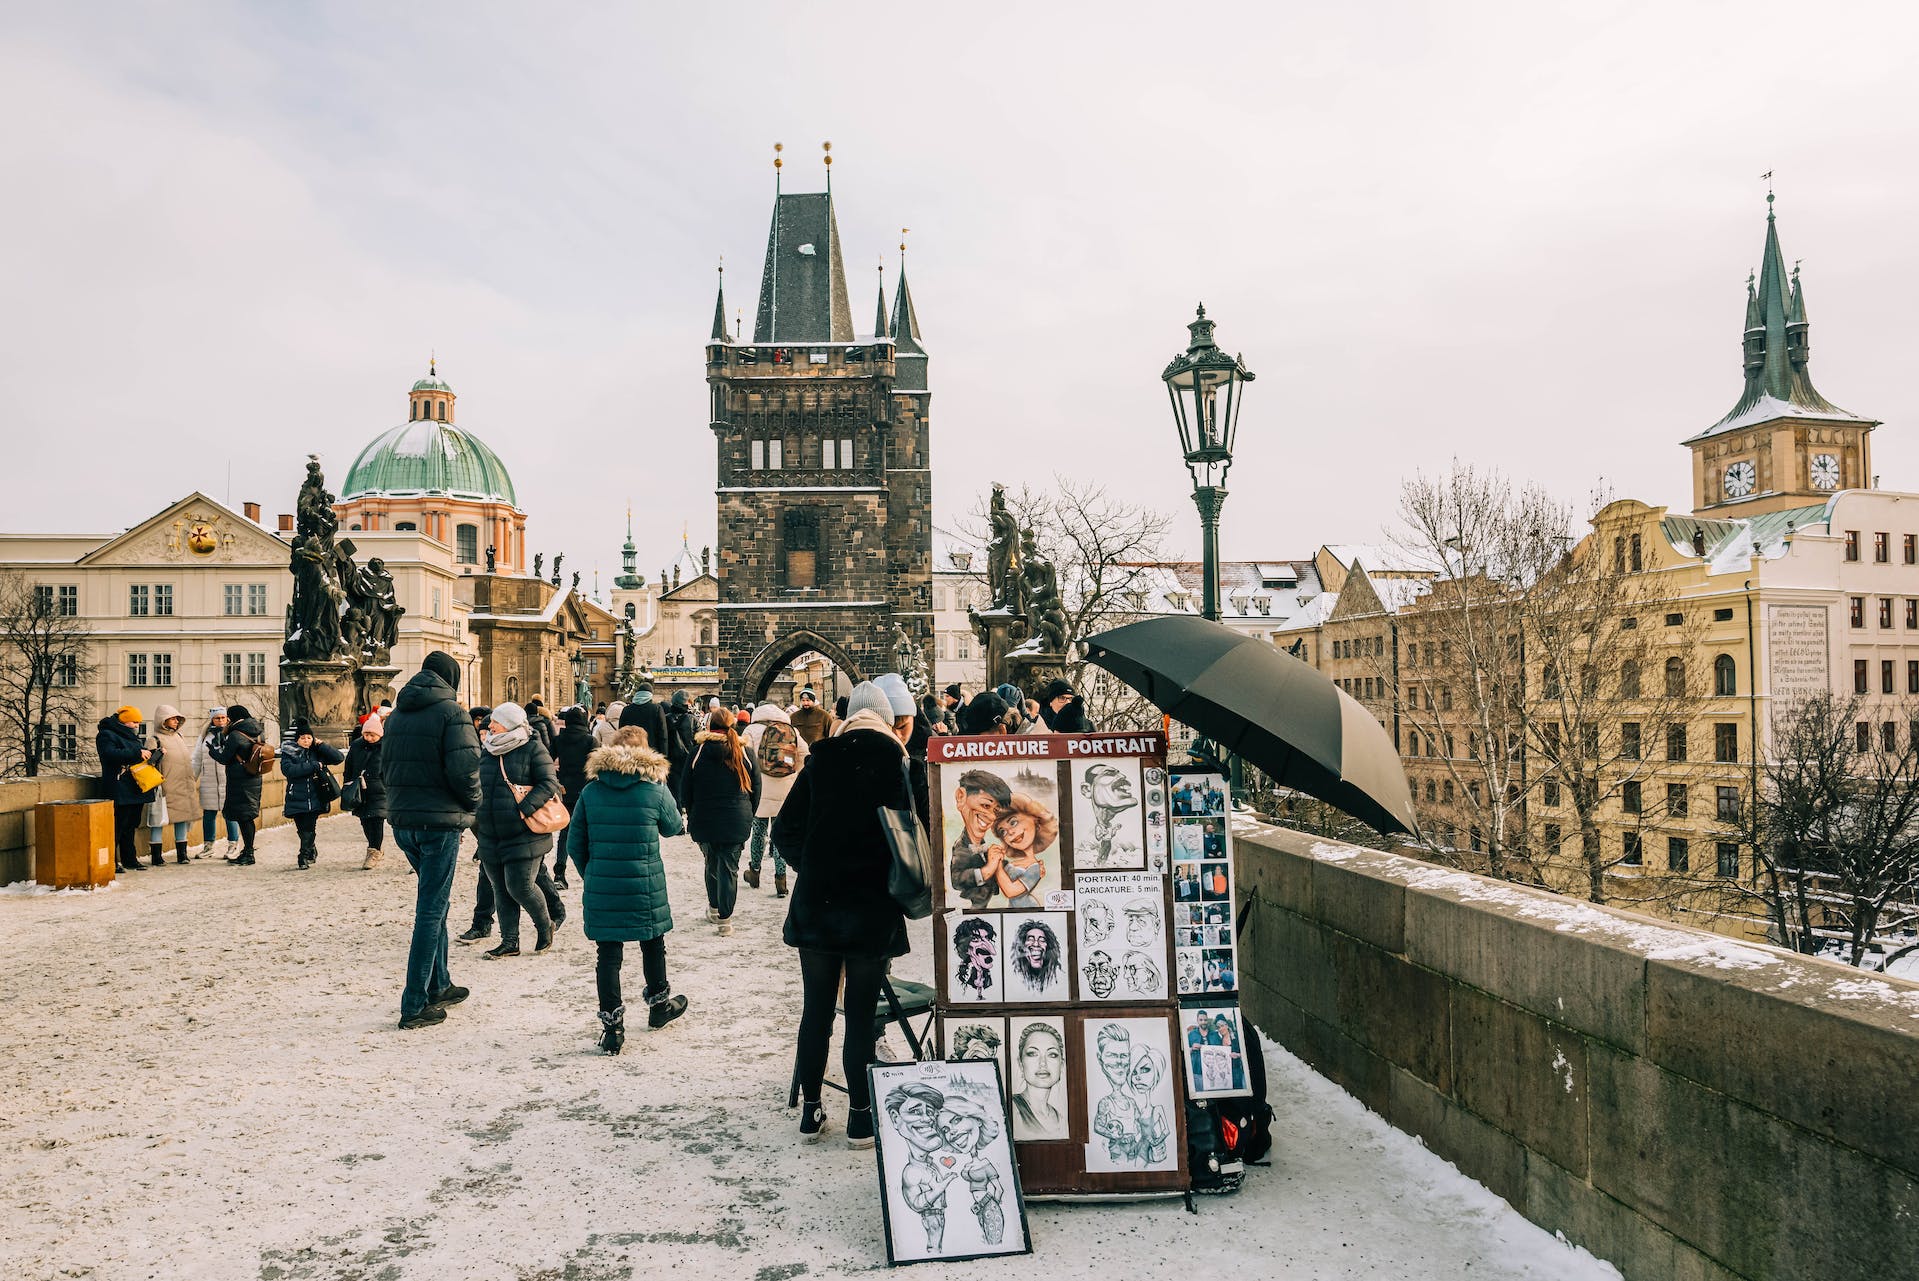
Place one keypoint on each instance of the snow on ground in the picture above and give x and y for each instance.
(205, 1082)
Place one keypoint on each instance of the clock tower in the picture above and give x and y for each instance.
(1783, 445)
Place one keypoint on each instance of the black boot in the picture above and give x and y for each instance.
(613, 1029)
(180, 852)
(132, 863)
(153, 852)
(663, 1008)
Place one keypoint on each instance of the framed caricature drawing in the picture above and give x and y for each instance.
(949, 1186)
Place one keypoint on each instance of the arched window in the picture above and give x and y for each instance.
(1637, 563)
(1725, 675)
(442, 410)
(466, 544)
(1629, 678)
(1675, 677)
(406, 527)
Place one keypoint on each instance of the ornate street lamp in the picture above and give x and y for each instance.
(1207, 386)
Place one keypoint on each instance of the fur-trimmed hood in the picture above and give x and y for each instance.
(709, 736)
(644, 762)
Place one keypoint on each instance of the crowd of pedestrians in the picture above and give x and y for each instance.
(599, 792)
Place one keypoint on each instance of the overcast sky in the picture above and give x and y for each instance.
(1513, 233)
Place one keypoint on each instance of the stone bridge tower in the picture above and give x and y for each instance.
(824, 490)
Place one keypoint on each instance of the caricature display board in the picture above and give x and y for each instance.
(1055, 925)
(949, 1184)
(1205, 942)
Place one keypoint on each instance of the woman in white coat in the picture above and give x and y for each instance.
(773, 789)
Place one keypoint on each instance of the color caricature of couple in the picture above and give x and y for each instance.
(945, 1136)
(1002, 835)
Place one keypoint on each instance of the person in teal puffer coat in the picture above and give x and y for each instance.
(614, 839)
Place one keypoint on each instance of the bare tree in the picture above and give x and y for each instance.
(45, 676)
(1527, 686)
(1106, 553)
(1835, 827)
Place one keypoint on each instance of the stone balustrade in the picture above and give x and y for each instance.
(1689, 1107)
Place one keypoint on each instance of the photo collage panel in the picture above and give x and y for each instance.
(1205, 951)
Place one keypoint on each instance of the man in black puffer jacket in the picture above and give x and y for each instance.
(430, 763)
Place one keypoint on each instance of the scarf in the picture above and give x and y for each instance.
(868, 719)
(506, 740)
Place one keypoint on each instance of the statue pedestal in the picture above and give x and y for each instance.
(374, 684)
(1030, 669)
(325, 694)
(1000, 632)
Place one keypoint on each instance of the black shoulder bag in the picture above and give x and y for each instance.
(909, 876)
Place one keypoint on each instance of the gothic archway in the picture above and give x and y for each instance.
(766, 665)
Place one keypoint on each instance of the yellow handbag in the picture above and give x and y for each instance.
(145, 776)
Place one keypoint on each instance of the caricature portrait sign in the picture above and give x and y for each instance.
(1059, 849)
(949, 1186)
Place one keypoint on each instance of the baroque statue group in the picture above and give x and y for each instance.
(1021, 583)
(341, 611)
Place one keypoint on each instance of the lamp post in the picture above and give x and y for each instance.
(1207, 386)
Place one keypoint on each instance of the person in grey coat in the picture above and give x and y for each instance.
(213, 788)
(513, 854)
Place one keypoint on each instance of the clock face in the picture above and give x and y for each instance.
(1740, 478)
(1825, 471)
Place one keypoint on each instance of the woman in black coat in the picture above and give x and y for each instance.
(363, 767)
(720, 791)
(842, 919)
(512, 853)
(571, 746)
(242, 804)
(116, 741)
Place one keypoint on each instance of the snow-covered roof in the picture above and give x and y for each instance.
(1767, 408)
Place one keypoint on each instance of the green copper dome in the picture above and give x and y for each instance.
(427, 457)
(432, 384)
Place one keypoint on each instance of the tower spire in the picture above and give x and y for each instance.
(879, 323)
(719, 309)
(1776, 351)
(909, 357)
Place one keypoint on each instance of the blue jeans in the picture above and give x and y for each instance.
(756, 853)
(208, 826)
(433, 852)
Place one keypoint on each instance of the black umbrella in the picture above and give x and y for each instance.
(1266, 706)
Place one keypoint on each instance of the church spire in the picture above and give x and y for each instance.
(909, 357)
(719, 307)
(1775, 347)
(879, 324)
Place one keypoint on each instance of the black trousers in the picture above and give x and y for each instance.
(820, 978)
(606, 971)
(374, 829)
(248, 826)
(483, 899)
(126, 831)
(307, 825)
